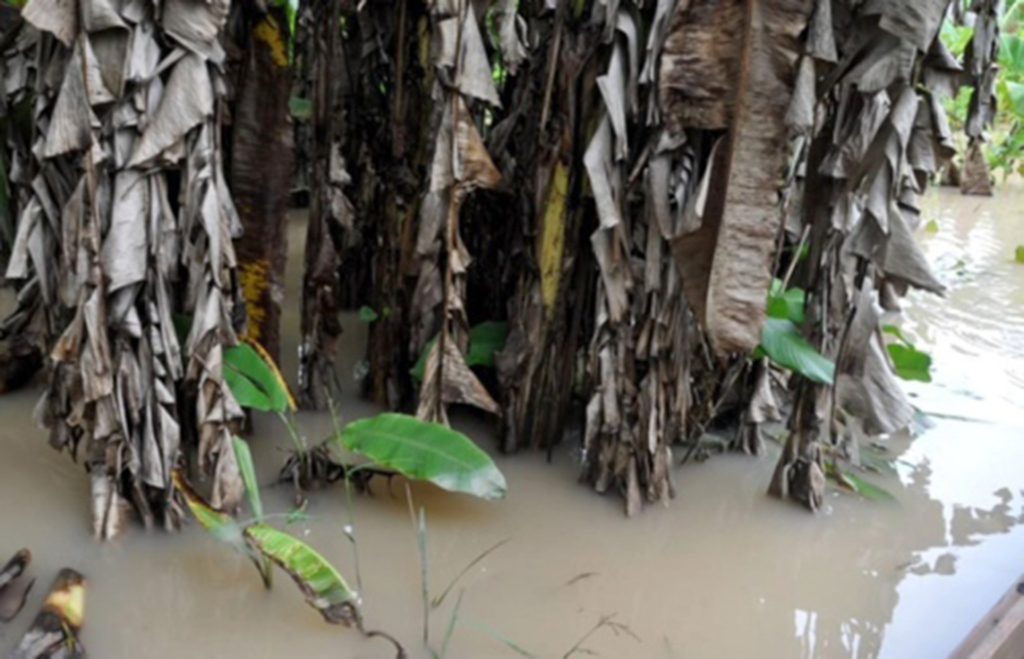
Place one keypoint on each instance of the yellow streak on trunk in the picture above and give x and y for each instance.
(553, 237)
(270, 33)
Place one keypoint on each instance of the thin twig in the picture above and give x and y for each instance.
(549, 84)
(439, 600)
(605, 621)
(714, 410)
(388, 637)
(581, 577)
(796, 257)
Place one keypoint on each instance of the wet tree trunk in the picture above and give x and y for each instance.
(980, 68)
(126, 223)
(261, 168)
(390, 171)
(552, 98)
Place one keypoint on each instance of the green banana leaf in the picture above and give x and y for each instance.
(255, 380)
(782, 341)
(425, 451)
(788, 303)
(320, 582)
(485, 341)
(908, 362)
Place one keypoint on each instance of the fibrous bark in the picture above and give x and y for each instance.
(460, 165)
(980, 69)
(329, 212)
(537, 367)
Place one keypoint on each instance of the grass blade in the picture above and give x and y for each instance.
(452, 621)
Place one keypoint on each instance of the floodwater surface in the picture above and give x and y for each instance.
(724, 571)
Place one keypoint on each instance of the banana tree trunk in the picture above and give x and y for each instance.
(261, 168)
(321, 328)
(108, 257)
(552, 94)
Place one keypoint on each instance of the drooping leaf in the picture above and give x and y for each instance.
(459, 385)
(187, 100)
(255, 380)
(782, 341)
(324, 587)
(218, 523)
(425, 451)
(866, 387)
(733, 66)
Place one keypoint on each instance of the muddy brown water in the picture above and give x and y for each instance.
(724, 572)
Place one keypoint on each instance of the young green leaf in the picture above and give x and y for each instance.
(368, 315)
(246, 392)
(485, 341)
(300, 108)
(1019, 255)
(255, 380)
(893, 330)
(910, 363)
(425, 451)
(787, 304)
(320, 582)
(782, 341)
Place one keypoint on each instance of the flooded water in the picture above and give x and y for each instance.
(724, 572)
